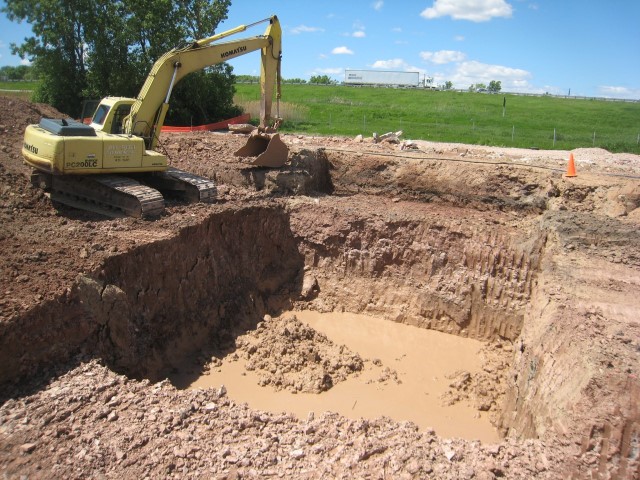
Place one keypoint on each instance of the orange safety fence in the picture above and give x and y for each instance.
(211, 126)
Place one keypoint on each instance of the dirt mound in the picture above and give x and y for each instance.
(16, 115)
(293, 356)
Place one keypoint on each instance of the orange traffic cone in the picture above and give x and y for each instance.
(571, 168)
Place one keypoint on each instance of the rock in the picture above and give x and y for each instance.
(297, 454)
(449, 452)
(27, 447)
(309, 287)
(241, 128)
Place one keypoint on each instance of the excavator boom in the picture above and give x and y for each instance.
(149, 109)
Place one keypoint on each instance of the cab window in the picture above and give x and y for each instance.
(100, 115)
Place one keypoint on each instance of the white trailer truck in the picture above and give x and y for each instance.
(382, 78)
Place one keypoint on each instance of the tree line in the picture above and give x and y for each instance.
(89, 49)
(21, 73)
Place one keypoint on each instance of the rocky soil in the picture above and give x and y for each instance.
(489, 243)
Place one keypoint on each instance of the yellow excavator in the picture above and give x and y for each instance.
(111, 166)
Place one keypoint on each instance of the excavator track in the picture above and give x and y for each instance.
(178, 183)
(110, 195)
(135, 195)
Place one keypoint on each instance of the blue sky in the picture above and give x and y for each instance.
(587, 47)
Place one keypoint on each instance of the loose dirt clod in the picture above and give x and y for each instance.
(488, 243)
(292, 356)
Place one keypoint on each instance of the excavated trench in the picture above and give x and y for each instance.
(147, 311)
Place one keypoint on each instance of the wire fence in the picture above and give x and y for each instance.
(521, 136)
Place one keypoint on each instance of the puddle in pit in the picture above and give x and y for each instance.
(422, 359)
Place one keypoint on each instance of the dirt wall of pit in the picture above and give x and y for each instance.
(440, 268)
(147, 308)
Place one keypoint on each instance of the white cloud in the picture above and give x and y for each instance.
(25, 61)
(472, 72)
(305, 29)
(377, 5)
(619, 92)
(459, 38)
(393, 64)
(472, 10)
(396, 30)
(342, 51)
(443, 56)
(359, 34)
(330, 71)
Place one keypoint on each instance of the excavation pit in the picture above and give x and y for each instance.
(98, 313)
(169, 301)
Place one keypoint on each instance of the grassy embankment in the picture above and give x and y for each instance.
(472, 118)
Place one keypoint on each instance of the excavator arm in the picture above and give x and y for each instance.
(149, 110)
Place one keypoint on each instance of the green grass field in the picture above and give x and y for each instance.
(18, 89)
(472, 118)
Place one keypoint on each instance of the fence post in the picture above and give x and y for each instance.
(364, 122)
(513, 132)
(594, 139)
(554, 137)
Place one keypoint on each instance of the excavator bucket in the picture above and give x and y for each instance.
(268, 150)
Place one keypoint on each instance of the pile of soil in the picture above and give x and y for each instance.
(290, 355)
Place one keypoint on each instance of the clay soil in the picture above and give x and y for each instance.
(490, 243)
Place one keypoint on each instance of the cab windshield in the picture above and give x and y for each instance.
(101, 114)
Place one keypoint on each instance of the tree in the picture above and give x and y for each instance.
(448, 85)
(294, 80)
(21, 72)
(495, 86)
(478, 87)
(93, 48)
(321, 79)
(57, 49)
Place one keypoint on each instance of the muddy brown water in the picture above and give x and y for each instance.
(422, 359)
